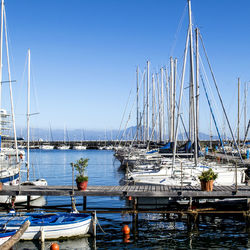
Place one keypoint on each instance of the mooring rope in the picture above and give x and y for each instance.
(100, 226)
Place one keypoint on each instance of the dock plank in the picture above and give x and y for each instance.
(132, 190)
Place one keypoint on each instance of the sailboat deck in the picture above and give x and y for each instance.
(133, 190)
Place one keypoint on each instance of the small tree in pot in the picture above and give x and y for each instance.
(207, 179)
(81, 178)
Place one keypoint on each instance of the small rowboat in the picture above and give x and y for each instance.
(5, 235)
(48, 225)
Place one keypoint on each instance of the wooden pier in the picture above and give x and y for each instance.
(131, 190)
(133, 193)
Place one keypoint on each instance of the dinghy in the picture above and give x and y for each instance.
(48, 225)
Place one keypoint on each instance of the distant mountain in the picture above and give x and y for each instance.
(79, 134)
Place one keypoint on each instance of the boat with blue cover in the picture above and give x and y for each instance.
(48, 225)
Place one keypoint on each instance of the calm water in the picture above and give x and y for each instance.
(154, 230)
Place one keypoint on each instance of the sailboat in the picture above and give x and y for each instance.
(47, 145)
(11, 157)
(80, 146)
(38, 182)
(186, 172)
(64, 146)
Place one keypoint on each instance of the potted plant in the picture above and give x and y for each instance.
(81, 178)
(207, 179)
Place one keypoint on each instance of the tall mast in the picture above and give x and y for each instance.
(238, 126)
(197, 95)
(167, 97)
(174, 91)
(10, 86)
(1, 55)
(1, 64)
(192, 100)
(159, 107)
(144, 109)
(153, 105)
(147, 100)
(28, 118)
(137, 103)
(162, 107)
(171, 91)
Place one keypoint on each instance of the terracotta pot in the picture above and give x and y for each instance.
(82, 185)
(207, 185)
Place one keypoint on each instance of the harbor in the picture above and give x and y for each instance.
(114, 206)
(154, 155)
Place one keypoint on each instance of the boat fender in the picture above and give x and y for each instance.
(54, 246)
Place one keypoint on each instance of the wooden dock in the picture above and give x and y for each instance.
(133, 194)
(133, 191)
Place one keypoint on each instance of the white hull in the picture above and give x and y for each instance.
(46, 147)
(80, 147)
(63, 147)
(57, 231)
(23, 198)
(3, 239)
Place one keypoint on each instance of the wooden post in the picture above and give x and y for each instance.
(94, 224)
(84, 203)
(16, 237)
(42, 236)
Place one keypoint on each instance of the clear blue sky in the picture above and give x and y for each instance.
(84, 53)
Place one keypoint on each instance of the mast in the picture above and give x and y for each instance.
(10, 86)
(28, 118)
(159, 106)
(1, 62)
(197, 96)
(192, 100)
(1, 55)
(162, 106)
(238, 126)
(167, 97)
(153, 104)
(137, 103)
(174, 91)
(144, 109)
(171, 99)
(148, 100)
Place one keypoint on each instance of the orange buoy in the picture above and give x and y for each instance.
(126, 229)
(54, 246)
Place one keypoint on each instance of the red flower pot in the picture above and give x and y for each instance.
(82, 185)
